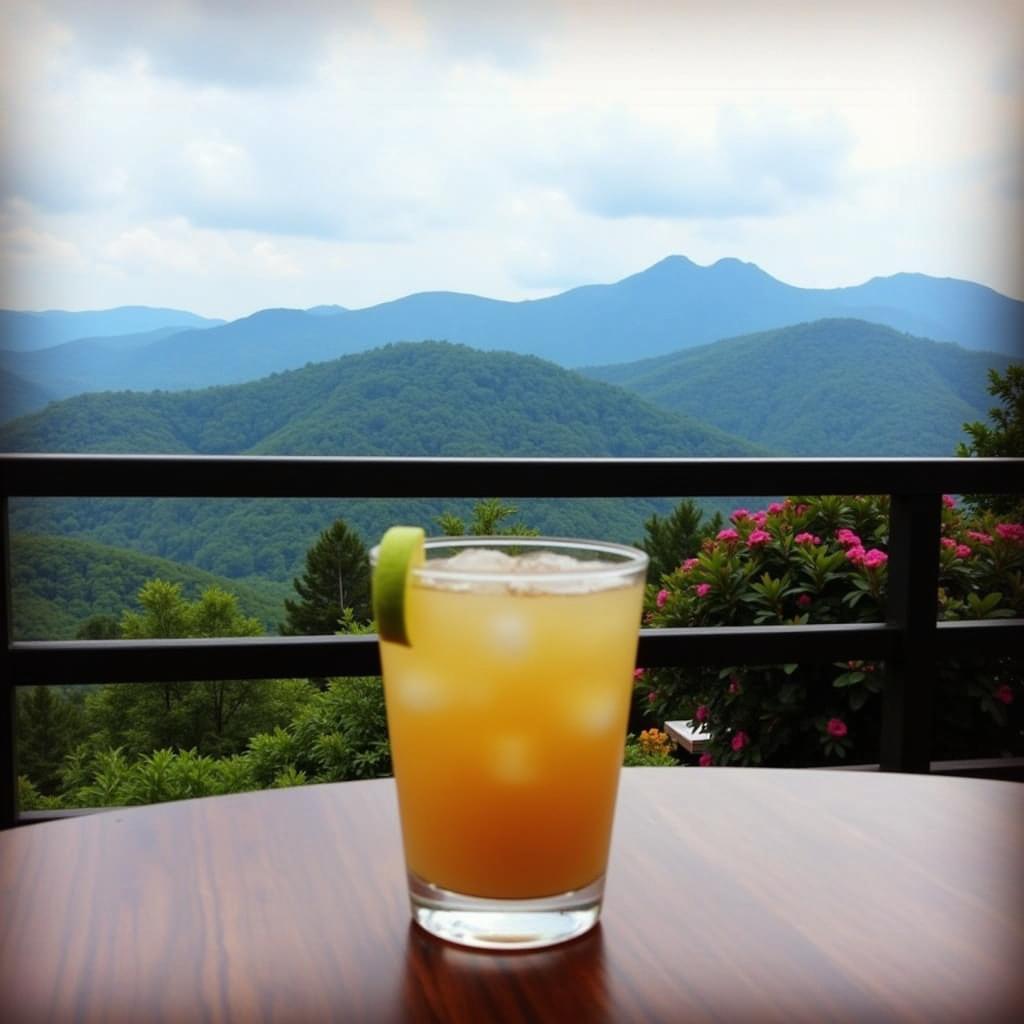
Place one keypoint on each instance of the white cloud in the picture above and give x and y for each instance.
(226, 155)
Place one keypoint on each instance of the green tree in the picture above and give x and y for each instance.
(670, 539)
(49, 725)
(489, 520)
(99, 627)
(337, 576)
(1004, 437)
(215, 717)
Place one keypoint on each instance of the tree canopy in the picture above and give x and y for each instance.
(337, 576)
(1003, 437)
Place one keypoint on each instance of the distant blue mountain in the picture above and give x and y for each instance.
(25, 331)
(19, 396)
(672, 305)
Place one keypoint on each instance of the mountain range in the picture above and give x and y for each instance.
(24, 331)
(809, 389)
(670, 306)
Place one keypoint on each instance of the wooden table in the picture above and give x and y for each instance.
(734, 895)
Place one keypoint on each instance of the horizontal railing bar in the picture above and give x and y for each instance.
(235, 476)
(980, 637)
(80, 662)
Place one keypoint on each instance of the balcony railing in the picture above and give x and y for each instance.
(909, 641)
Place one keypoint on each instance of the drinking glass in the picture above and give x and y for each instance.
(507, 716)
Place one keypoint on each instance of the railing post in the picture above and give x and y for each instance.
(8, 757)
(915, 527)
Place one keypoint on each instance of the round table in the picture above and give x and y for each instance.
(733, 895)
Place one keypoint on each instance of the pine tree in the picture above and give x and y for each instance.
(337, 576)
(49, 726)
(677, 536)
(489, 520)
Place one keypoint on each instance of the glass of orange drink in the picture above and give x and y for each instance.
(508, 693)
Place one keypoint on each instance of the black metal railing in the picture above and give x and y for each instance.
(909, 641)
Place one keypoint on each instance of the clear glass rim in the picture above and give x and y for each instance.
(629, 561)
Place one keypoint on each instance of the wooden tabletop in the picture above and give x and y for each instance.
(733, 895)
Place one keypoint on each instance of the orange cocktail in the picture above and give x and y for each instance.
(507, 716)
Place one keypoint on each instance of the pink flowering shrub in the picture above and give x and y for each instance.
(825, 560)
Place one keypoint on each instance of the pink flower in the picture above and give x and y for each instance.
(1011, 531)
(639, 673)
(652, 696)
(728, 536)
(1003, 693)
(661, 598)
(980, 537)
(690, 564)
(739, 514)
(856, 554)
(706, 761)
(947, 500)
(874, 558)
(804, 601)
(807, 538)
(734, 685)
(703, 589)
(948, 542)
(701, 714)
(802, 509)
(775, 508)
(758, 538)
(847, 538)
(836, 727)
(963, 551)
(759, 518)
(739, 741)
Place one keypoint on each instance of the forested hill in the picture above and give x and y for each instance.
(58, 582)
(831, 387)
(408, 399)
(428, 398)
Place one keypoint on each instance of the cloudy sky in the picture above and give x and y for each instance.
(228, 155)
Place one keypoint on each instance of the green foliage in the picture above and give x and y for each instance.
(342, 733)
(337, 576)
(1003, 438)
(334, 736)
(216, 717)
(823, 560)
(424, 398)
(681, 530)
(837, 387)
(428, 398)
(49, 725)
(131, 744)
(108, 778)
(261, 544)
(99, 627)
(64, 588)
(488, 520)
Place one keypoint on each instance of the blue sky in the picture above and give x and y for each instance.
(228, 156)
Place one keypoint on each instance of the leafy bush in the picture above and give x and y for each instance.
(823, 560)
